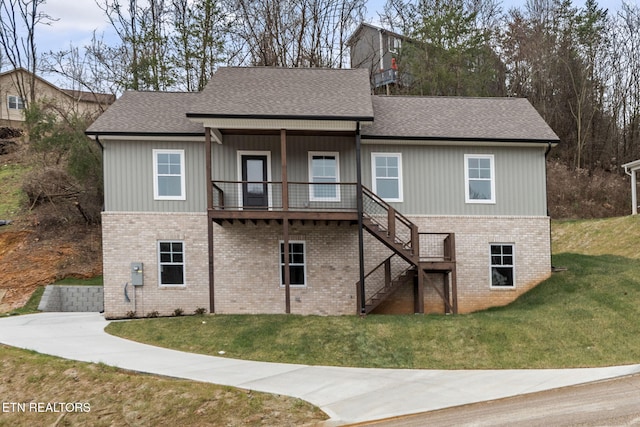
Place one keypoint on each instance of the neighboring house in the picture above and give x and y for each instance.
(377, 50)
(280, 190)
(15, 92)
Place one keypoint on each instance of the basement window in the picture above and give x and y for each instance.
(502, 265)
(297, 264)
(171, 263)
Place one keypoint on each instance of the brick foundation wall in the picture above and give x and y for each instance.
(247, 264)
(133, 237)
(247, 269)
(532, 240)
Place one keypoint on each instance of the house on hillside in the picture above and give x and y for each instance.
(15, 91)
(297, 191)
(378, 50)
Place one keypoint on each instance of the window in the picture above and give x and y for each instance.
(502, 265)
(479, 179)
(394, 44)
(16, 103)
(324, 169)
(297, 267)
(387, 176)
(171, 262)
(168, 168)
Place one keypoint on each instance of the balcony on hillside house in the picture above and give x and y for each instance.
(263, 200)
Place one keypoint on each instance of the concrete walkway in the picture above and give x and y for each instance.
(347, 395)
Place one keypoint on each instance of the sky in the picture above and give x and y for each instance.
(78, 19)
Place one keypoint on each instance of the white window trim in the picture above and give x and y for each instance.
(183, 263)
(16, 97)
(467, 196)
(182, 195)
(239, 155)
(324, 153)
(513, 266)
(374, 178)
(304, 248)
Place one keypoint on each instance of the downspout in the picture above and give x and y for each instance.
(361, 290)
(99, 143)
(634, 195)
(381, 54)
(102, 157)
(546, 154)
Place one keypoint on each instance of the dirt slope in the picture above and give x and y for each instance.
(30, 257)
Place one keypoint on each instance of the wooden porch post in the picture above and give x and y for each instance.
(209, 177)
(285, 221)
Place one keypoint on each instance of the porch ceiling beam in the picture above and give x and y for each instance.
(216, 135)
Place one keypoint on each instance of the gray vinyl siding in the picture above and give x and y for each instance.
(225, 156)
(128, 172)
(433, 176)
(434, 179)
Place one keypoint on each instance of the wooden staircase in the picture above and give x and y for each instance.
(407, 263)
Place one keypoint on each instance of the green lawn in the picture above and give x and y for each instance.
(11, 194)
(113, 397)
(585, 316)
(72, 281)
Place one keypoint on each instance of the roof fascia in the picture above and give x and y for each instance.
(145, 136)
(312, 124)
(498, 142)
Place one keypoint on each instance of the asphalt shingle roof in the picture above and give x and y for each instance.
(148, 113)
(457, 118)
(263, 92)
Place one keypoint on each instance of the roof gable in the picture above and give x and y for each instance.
(286, 93)
(454, 118)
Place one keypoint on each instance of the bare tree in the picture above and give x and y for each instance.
(19, 21)
(292, 33)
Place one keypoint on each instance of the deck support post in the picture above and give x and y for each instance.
(419, 294)
(361, 288)
(208, 171)
(285, 221)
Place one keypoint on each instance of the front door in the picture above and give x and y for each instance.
(254, 185)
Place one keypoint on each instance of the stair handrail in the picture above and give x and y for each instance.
(413, 239)
(388, 277)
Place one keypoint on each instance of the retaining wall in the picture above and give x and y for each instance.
(72, 298)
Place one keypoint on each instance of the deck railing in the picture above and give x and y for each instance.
(399, 227)
(303, 196)
(437, 247)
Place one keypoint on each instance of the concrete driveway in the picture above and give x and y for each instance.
(347, 395)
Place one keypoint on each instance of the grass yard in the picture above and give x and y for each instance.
(117, 397)
(584, 317)
(11, 195)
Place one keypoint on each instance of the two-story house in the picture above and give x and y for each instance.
(296, 190)
(378, 50)
(15, 91)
